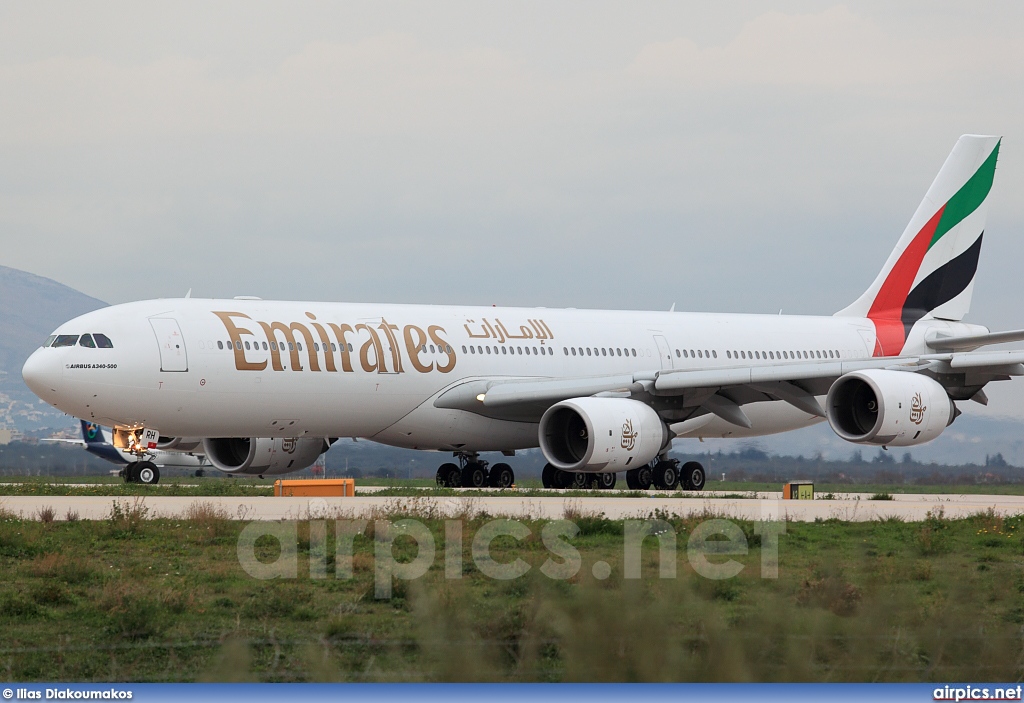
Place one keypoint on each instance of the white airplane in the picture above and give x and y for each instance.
(266, 387)
(135, 468)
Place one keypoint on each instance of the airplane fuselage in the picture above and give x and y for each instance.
(241, 367)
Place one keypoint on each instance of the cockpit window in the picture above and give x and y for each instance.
(65, 340)
(103, 341)
(49, 340)
(86, 341)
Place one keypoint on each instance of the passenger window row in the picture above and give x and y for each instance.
(699, 354)
(275, 346)
(770, 355)
(598, 351)
(90, 341)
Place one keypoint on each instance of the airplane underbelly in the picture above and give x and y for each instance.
(428, 427)
(766, 418)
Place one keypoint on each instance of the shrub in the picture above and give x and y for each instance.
(131, 613)
(127, 520)
(933, 536)
(15, 605)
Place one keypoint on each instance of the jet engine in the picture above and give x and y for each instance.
(893, 408)
(261, 455)
(601, 434)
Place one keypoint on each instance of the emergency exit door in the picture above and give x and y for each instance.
(664, 351)
(171, 343)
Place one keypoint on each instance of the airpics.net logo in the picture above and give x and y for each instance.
(709, 548)
(977, 693)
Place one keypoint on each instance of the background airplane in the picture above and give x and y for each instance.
(135, 468)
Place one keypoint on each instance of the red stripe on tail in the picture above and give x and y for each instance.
(887, 309)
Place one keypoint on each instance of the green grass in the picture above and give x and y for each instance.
(135, 599)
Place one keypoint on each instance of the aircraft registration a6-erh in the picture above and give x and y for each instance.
(265, 387)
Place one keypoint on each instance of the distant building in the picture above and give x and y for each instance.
(6, 436)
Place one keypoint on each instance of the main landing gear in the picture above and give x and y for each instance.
(553, 477)
(666, 475)
(473, 472)
(141, 472)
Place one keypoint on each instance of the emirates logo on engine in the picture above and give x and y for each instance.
(288, 445)
(917, 409)
(628, 436)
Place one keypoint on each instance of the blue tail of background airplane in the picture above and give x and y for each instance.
(96, 443)
(92, 433)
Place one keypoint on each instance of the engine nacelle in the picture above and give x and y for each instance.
(601, 434)
(892, 408)
(262, 455)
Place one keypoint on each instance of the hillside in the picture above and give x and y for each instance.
(32, 307)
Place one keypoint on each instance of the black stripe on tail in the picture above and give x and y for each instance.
(941, 285)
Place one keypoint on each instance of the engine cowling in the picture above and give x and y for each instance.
(892, 408)
(263, 455)
(601, 434)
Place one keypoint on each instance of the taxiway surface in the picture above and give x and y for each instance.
(847, 507)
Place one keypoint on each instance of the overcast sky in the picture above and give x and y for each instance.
(720, 156)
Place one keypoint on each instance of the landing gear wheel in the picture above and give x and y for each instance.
(449, 476)
(640, 479)
(579, 481)
(562, 479)
(501, 476)
(547, 476)
(693, 476)
(631, 483)
(147, 472)
(606, 482)
(474, 476)
(666, 476)
(130, 473)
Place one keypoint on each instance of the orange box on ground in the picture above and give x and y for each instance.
(798, 490)
(321, 488)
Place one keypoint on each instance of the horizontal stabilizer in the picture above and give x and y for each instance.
(974, 341)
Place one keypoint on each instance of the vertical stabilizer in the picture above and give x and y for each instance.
(930, 273)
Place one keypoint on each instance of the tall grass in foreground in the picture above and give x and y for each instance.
(138, 599)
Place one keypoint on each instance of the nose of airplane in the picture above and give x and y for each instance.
(42, 373)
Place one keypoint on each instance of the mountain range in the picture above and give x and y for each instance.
(32, 307)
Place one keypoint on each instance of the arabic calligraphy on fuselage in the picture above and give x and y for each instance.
(535, 329)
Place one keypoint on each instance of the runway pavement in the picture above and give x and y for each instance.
(847, 507)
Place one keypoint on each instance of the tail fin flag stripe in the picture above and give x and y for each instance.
(969, 198)
(898, 304)
(942, 285)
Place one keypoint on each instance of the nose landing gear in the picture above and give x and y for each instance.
(145, 472)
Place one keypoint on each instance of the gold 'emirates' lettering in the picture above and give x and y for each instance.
(369, 338)
(235, 334)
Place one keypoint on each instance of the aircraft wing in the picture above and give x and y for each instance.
(680, 395)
